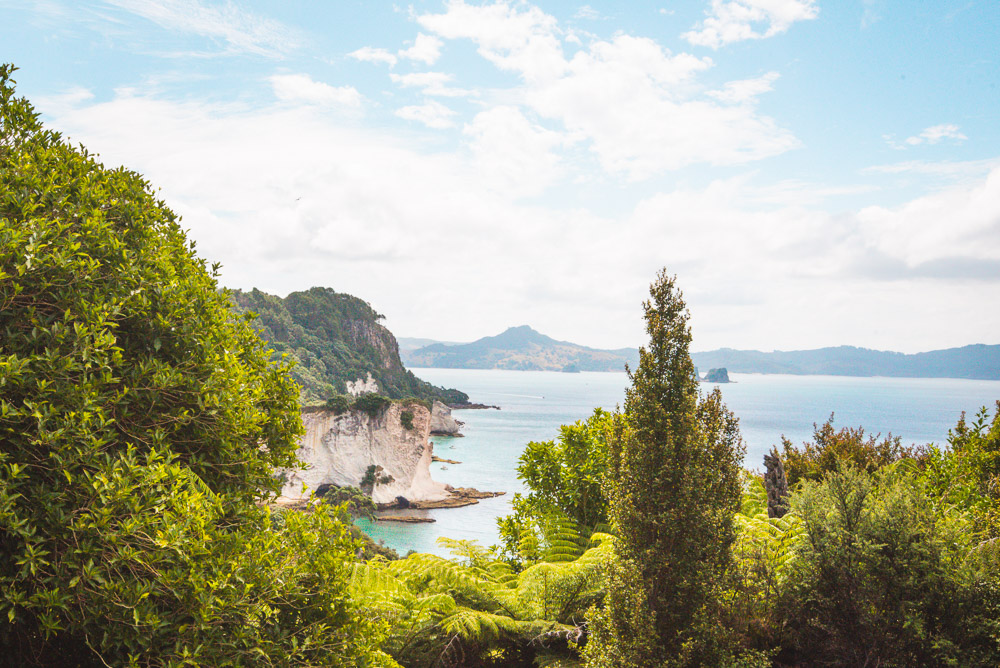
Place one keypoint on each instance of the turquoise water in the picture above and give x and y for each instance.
(534, 403)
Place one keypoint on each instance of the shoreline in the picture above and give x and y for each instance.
(458, 497)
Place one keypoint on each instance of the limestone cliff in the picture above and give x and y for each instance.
(355, 449)
(442, 422)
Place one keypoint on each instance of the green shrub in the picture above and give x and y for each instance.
(830, 448)
(563, 477)
(886, 577)
(338, 403)
(372, 404)
(140, 426)
(967, 473)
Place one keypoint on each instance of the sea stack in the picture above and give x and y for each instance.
(717, 376)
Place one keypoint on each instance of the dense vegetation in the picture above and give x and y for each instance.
(334, 339)
(140, 425)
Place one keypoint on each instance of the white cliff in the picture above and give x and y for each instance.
(442, 422)
(340, 449)
(362, 386)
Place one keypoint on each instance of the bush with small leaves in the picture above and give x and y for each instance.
(372, 404)
(140, 427)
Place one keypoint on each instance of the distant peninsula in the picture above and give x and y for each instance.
(977, 361)
(518, 348)
(523, 348)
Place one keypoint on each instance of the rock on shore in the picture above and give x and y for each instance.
(354, 449)
(442, 422)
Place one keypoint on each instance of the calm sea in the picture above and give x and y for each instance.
(534, 403)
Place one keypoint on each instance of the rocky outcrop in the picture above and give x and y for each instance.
(355, 449)
(457, 497)
(362, 386)
(442, 423)
(717, 376)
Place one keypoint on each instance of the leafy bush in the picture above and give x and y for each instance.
(140, 425)
(372, 404)
(967, 473)
(886, 578)
(350, 500)
(339, 403)
(831, 448)
(473, 610)
(406, 419)
(564, 480)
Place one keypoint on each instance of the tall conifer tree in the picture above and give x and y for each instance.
(673, 488)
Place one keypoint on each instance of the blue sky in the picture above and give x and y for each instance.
(815, 173)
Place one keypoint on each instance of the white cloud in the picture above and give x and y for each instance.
(935, 134)
(523, 40)
(65, 101)
(745, 90)
(290, 197)
(639, 106)
(373, 55)
(731, 21)
(588, 13)
(876, 277)
(302, 88)
(959, 222)
(513, 154)
(241, 30)
(645, 118)
(433, 114)
(430, 83)
(974, 168)
(932, 135)
(426, 49)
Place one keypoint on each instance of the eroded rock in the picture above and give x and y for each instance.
(442, 422)
(341, 449)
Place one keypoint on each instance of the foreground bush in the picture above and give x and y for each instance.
(140, 426)
(883, 577)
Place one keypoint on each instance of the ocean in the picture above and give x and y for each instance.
(533, 404)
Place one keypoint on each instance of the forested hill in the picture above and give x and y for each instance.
(335, 338)
(976, 361)
(520, 348)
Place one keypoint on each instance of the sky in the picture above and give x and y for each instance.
(815, 173)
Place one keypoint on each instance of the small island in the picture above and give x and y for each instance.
(716, 376)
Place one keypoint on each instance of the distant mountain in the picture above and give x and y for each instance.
(335, 339)
(412, 343)
(520, 348)
(976, 361)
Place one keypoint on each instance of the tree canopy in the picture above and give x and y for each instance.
(140, 426)
(335, 339)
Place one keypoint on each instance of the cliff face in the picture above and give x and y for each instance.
(342, 449)
(368, 335)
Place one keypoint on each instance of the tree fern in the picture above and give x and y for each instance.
(445, 611)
